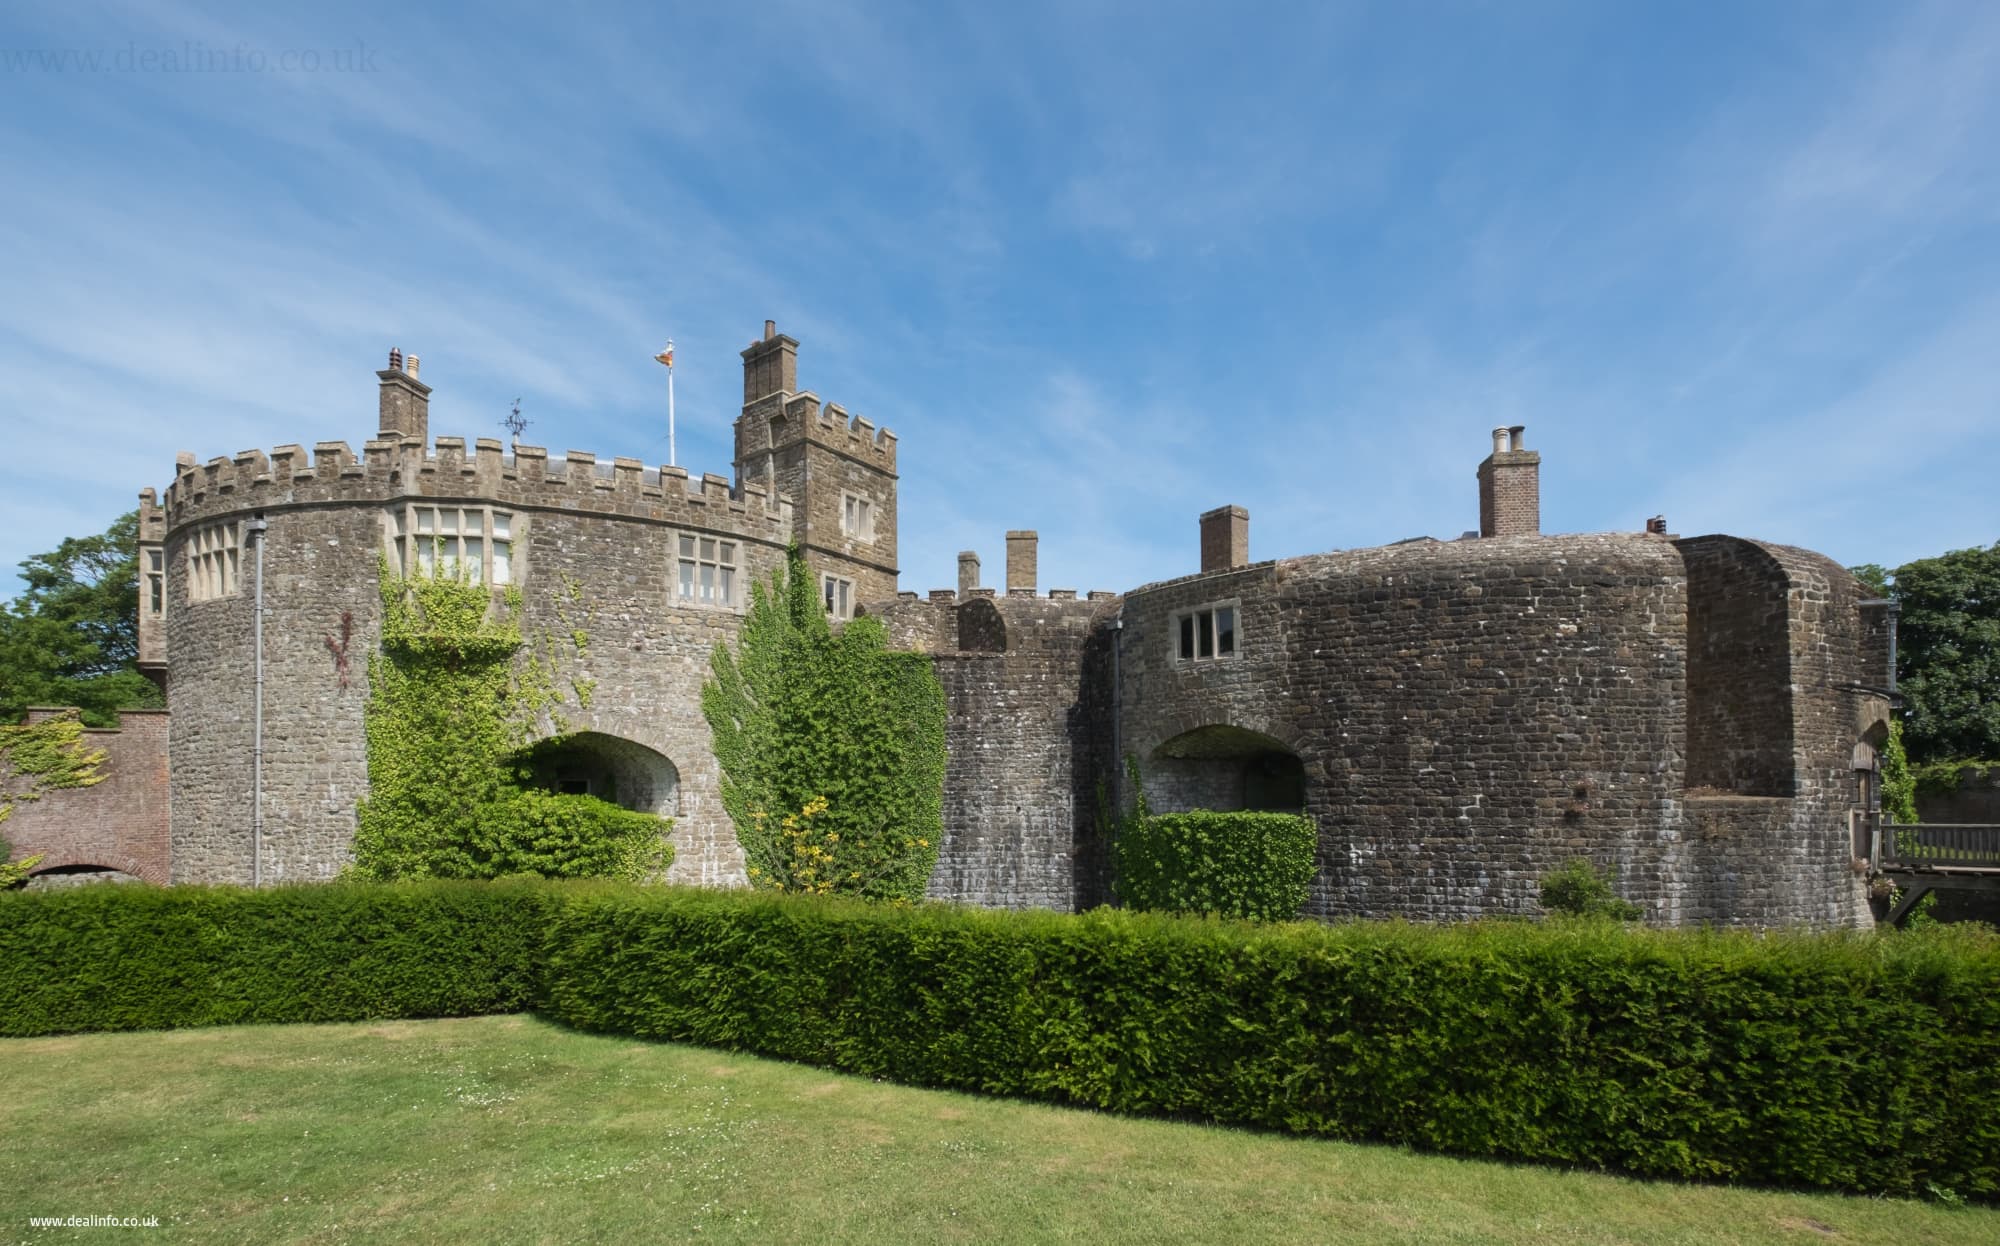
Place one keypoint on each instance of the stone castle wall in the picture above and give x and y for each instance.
(1469, 715)
(1023, 763)
(593, 551)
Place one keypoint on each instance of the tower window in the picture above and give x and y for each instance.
(705, 570)
(473, 544)
(838, 595)
(214, 554)
(156, 580)
(1207, 634)
(857, 517)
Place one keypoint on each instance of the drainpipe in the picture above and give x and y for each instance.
(1117, 715)
(255, 530)
(1895, 613)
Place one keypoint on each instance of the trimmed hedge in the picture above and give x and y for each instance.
(1846, 1062)
(1237, 864)
(140, 958)
(1843, 1062)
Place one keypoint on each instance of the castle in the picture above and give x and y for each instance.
(1459, 717)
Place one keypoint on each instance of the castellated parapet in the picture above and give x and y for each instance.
(1458, 718)
(629, 575)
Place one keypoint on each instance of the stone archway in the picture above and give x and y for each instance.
(609, 767)
(1225, 768)
(79, 875)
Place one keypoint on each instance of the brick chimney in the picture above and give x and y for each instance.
(1225, 539)
(968, 572)
(1510, 489)
(406, 401)
(1021, 564)
(770, 366)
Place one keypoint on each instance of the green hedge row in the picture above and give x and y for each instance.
(1852, 1063)
(1237, 864)
(1844, 1062)
(140, 958)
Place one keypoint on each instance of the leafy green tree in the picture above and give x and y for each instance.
(72, 636)
(1948, 653)
(831, 747)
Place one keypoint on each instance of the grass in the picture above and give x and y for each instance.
(508, 1129)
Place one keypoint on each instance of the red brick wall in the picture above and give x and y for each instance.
(118, 824)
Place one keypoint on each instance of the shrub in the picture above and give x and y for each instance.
(1849, 1062)
(1578, 890)
(138, 958)
(559, 835)
(1241, 864)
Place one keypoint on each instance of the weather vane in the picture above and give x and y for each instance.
(515, 423)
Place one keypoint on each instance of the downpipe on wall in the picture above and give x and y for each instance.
(255, 530)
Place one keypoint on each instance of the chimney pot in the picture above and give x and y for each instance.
(405, 401)
(1510, 491)
(770, 365)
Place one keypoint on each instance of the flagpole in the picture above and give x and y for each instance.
(667, 357)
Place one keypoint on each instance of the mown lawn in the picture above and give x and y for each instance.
(506, 1129)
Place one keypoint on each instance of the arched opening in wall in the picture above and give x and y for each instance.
(1225, 768)
(981, 627)
(77, 876)
(609, 767)
(1740, 698)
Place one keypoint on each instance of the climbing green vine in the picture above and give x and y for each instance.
(454, 698)
(831, 745)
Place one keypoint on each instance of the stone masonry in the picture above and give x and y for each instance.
(1459, 718)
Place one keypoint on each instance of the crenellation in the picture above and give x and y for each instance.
(1458, 716)
(489, 462)
(331, 458)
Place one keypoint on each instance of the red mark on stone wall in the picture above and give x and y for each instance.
(338, 648)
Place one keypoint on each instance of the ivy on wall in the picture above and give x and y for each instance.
(36, 758)
(453, 698)
(831, 745)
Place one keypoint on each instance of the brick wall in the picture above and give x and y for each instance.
(118, 824)
(1510, 494)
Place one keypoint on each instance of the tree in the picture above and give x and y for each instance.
(72, 637)
(1948, 652)
(831, 747)
(36, 758)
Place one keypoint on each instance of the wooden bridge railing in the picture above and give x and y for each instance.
(1959, 845)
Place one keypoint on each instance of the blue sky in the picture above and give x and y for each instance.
(1100, 267)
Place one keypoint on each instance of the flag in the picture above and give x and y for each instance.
(666, 356)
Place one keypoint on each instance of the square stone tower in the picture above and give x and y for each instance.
(839, 472)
